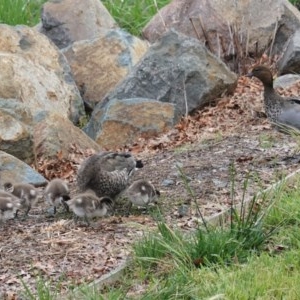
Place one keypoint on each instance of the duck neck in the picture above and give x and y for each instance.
(269, 91)
(270, 101)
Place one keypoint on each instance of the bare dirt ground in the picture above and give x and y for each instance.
(229, 136)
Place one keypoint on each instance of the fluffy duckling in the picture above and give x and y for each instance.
(87, 205)
(280, 110)
(8, 208)
(141, 193)
(107, 173)
(26, 192)
(56, 192)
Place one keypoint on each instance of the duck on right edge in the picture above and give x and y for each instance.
(279, 110)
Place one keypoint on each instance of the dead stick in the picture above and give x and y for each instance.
(273, 38)
(205, 34)
(197, 33)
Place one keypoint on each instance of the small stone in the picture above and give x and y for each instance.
(183, 210)
(167, 182)
(50, 212)
(219, 183)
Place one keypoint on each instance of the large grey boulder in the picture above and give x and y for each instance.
(67, 21)
(14, 170)
(290, 59)
(122, 122)
(35, 73)
(229, 27)
(99, 64)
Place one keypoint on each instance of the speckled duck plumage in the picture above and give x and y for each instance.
(107, 174)
(279, 110)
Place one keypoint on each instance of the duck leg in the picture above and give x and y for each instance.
(66, 206)
(75, 218)
(16, 214)
(26, 212)
(87, 220)
(129, 206)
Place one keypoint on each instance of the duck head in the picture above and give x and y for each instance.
(263, 74)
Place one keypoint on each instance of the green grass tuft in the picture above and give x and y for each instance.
(15, 12)
(133, 15)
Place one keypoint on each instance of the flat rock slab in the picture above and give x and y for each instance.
(122, 122)
(14, 170)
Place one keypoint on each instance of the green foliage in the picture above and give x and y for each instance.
(227, 256)
(175, 256)
(133, 15)
(216, 246)
(14, 12)
(44, 291)
(295, 2)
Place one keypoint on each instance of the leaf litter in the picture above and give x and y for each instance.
(232, 132)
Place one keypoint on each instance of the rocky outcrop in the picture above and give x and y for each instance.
(123, 121)
(99, 64)
(177, 70)
(228, 27)
(290, 59)
(67, 21)
(54, 133)
(14, 170)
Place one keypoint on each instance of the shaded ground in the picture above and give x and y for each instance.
(217, 142)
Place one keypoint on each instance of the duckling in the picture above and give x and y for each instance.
(56, 192)
(107, 173)
(26, 192)
(8, 208)
(281, 111)
(88, 205)
(141, 193)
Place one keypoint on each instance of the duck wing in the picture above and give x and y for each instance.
(294, 101)
(290, 113)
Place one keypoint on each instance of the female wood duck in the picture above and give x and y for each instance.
(107, 173)
(280, 110)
